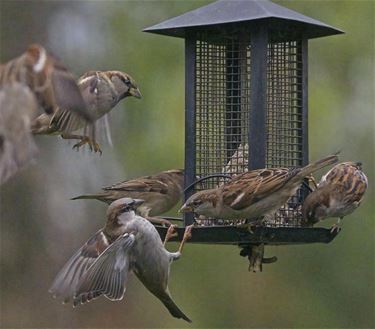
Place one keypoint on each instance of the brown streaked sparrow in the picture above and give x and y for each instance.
(253, 194)
(17, 148)
(339, 193)
(126, 243)
(101, 91)
(52, 84)
(160, 192)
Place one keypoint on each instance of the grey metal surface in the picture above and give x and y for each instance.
(227, 12)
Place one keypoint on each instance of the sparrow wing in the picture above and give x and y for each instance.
(143, 184)
(108, 274)
(67, 94)
(17, 148)
(66, 282)
(248, 188)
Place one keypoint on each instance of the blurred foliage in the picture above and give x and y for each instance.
(311, 286)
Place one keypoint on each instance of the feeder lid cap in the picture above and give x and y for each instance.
(239, 11)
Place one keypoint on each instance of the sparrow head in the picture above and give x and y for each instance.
(123, 205)
(38, 57)
(357, 165)
(201, 202)
(124, 84)
(177, 176)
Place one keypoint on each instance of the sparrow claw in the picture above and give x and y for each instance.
(335, 229)
(187, 234)
(248, 226)
(171, 233)
(93, 145)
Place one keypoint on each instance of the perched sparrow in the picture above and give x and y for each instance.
(17, 148)
(101, 92)
(52, 84)
(339, 193)
(127, 243)
(160, 193)
(253, 194)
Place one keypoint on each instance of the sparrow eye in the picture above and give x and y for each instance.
(125, 81)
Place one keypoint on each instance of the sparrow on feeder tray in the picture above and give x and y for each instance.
(160, 192)
(339, 193)
(253, 194)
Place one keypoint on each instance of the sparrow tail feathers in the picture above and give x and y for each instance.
(312, 167)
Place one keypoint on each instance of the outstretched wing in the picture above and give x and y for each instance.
(108, 274)
(65, 284)
(248, 188)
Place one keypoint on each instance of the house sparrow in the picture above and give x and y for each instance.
(101, 92)
(253, 194)
(51, 83)
(126, 243)
(160, 193)
(339, 193)
(17, 148)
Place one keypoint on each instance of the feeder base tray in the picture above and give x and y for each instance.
(260, 235)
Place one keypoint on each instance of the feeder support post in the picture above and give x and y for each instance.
(304, 101)
(190, 141)
(258, 97)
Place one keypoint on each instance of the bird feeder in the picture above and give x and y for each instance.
(246, 94)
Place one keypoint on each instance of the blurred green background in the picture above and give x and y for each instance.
(311, 286)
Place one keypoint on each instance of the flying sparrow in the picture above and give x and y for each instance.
(51, 83)
(101, 91)
(253, 194)
(126, 243)
(160, 193)
(339, 193)
(17, 148)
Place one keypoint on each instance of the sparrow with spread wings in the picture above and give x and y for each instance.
(127, 243)
(339, 193)
(29, 83)
(101, 91)
(160, 192)
(253, 194)
(51, 83)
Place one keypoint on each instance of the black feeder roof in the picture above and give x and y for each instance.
(229, 13)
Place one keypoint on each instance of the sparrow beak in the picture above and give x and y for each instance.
(138, 202)
(185, 208)
(135, 92)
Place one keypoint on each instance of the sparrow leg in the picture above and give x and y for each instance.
(93, 145)
(160, 221)
(336, 227)
(187, 236)
(248, 226)
(170, 233)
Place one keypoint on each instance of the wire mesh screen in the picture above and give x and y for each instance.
(284, 120)
(223, 107)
